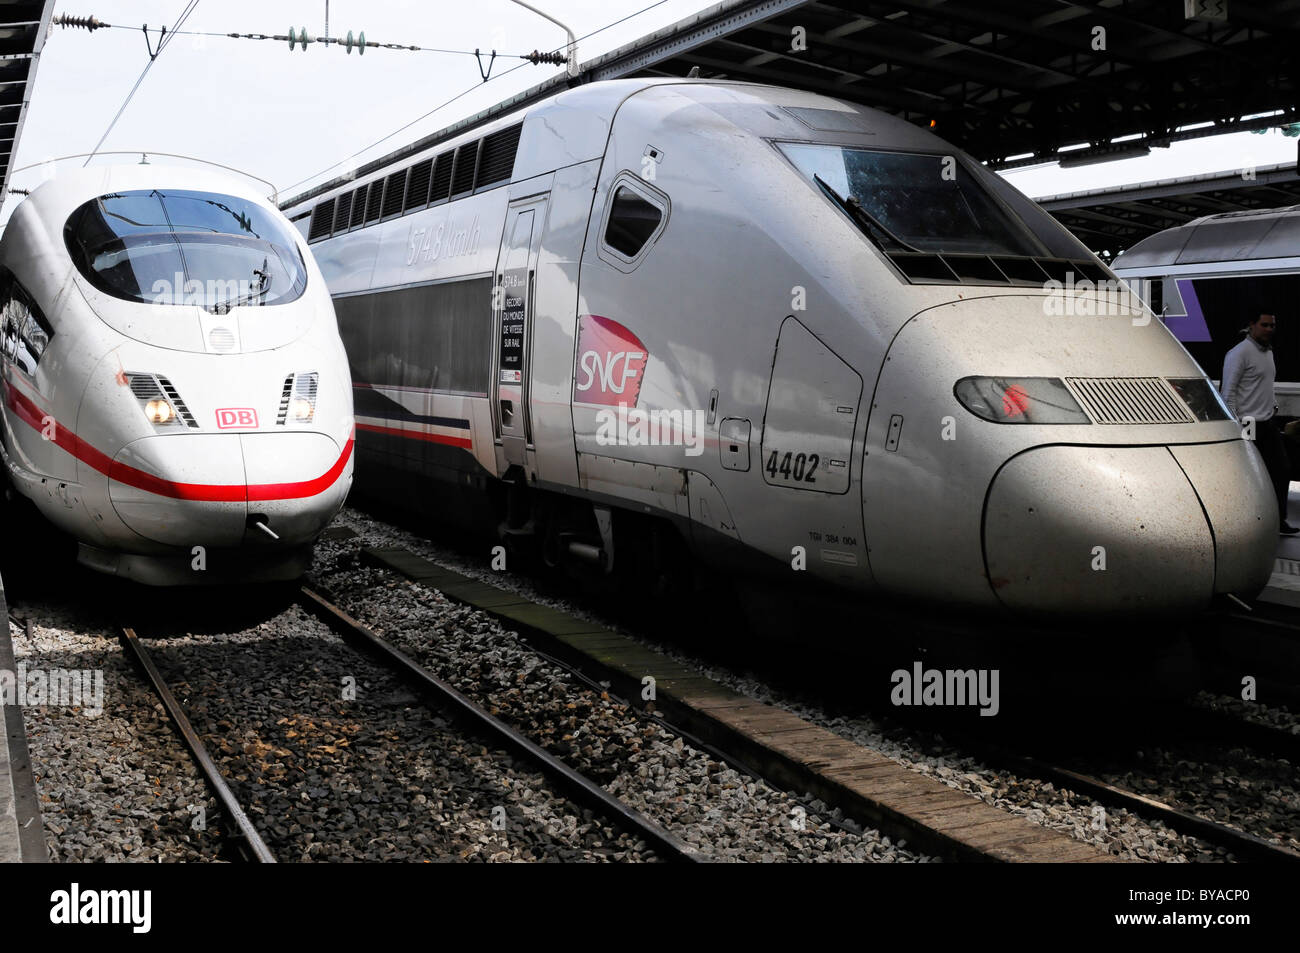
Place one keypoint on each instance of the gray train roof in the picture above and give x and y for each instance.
(1232, 236)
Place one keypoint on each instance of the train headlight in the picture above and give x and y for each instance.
(1019, 400)
(1200, 397)
(300, 408)
(159, 412)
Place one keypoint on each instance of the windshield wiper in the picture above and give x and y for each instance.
(868, 223)
(263, 287)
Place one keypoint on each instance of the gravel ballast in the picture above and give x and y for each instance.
(1125, 835)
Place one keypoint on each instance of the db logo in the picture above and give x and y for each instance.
(611, 362)
(236, 418)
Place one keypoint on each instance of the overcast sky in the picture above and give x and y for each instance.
(290, 116)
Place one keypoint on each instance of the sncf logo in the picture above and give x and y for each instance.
(236, 418)
(611, 363)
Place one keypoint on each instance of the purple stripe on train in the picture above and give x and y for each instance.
(1189, 326)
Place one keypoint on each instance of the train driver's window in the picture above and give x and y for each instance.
(633, 220)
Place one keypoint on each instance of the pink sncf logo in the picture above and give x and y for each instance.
(611, 363)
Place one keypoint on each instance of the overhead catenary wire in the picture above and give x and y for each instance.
(162, 45)
(303, 40)
(443, 105)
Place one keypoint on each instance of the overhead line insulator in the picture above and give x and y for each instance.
(90, 23)
(536, 57)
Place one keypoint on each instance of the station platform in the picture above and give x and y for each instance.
(22, 835)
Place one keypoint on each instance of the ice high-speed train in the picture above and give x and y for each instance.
(175, 389)
(798, 337)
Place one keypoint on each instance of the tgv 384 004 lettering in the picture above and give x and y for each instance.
(862, 315)
(174, 384)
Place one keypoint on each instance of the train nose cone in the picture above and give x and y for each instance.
(181, 490)
(1123, 528)
(1235, 491)
(296, 482)
(205, 489)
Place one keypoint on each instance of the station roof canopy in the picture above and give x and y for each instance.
(1013, 82)
(1117, 218)
(23, 26)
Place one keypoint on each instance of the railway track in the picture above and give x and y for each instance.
(747, 746)
(1218, 725)
(579, 789)
(1245, 845)
(240, 829)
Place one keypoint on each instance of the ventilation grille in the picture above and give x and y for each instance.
(358, 207)
(498, 161)
(441, 178)
(144, 387)
(417, 189)
(181, 410)
(1129, 400)
(372, 203)
(284, 401)
(221, 339)
(322, 221)
(305, 386)
(466, 159)
(475, 165)
(394, 191)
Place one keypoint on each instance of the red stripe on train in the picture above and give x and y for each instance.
(464, 442)
(63, 437)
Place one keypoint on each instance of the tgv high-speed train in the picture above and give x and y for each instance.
(802, 338)
(175, 390)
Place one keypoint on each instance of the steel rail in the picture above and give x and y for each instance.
(1245, 845)
(575, 785)
(251, 843)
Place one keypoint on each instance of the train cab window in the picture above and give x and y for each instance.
(26, 333)
(922, 200)
(634, 218)
(180, 247)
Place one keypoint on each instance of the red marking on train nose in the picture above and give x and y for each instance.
(236, 418)
(1015, 401)
(123, 473)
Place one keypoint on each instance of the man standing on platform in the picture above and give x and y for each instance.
(1247, 386)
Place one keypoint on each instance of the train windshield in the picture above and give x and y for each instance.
(178, 247)
(928, 203)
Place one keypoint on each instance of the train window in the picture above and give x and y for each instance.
(26, 332)
(634, 218)
(930, 203)
(179, 247)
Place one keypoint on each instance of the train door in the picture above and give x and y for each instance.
(513, 311)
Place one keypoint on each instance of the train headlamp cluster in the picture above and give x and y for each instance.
(302, 403)
(159, 411)
(1020, 400)
(159, 401)
(1049, 400)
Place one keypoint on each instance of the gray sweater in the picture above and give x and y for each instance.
(1247, 385)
